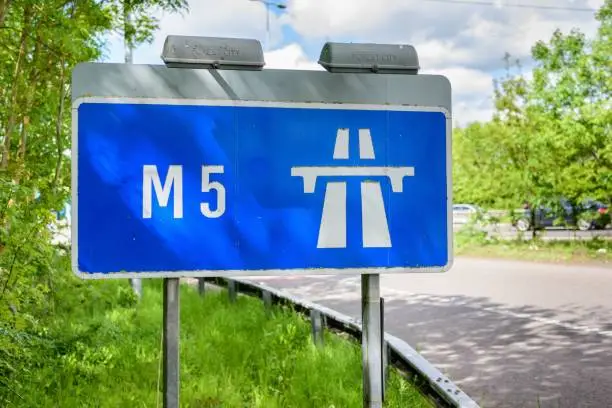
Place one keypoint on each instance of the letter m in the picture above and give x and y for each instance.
(150, 180)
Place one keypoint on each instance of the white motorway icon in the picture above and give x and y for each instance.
(375, 228)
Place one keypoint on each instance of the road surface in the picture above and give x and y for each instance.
(509, 333)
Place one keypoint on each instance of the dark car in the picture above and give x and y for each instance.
(590, 214)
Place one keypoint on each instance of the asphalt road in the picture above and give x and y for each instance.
(508, 333)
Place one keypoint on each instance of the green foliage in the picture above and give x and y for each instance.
(71, 314)
(136, 20)
(40, 43)
(232, 355)
(476, 243)
(551, 136)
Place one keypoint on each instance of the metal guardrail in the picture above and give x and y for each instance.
(436, 386)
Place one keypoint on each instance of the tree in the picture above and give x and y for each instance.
(500, 163)
(40, 43)
(571, 105)
(135, 20)
(550, 136)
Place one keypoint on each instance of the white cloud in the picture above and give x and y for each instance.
(291, 56)
(227, 18)
(474, 35)
(342, 17)
(471, 88)
(472, 93)
(464, 42)
(467, 43)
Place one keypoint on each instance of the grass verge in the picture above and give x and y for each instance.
(594, 250)
(232, 355)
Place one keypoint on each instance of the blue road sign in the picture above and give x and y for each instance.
(179, 187)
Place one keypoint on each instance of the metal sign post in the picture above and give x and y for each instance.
(171, 367)
(222, 169)
(385, 349)
(371, 341)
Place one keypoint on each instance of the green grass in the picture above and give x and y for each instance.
(594, 250)
(232, 355)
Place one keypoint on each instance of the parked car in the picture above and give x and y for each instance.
(600, 213)
(590, 214)
(464, 213)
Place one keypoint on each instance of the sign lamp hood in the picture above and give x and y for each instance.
(212, 53)
(369, 58)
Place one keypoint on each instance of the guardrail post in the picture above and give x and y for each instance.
(316, 321)
(231, 289)
(267, 300)
(201, 286)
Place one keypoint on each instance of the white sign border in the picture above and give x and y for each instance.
(254, 272)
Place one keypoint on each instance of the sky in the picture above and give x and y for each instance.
(465, 42)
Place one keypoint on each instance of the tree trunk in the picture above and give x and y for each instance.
(14, 92)
(4, 6)
(24, 137)
(58, 127)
